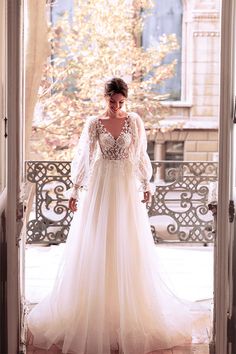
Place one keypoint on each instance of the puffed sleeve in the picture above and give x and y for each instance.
(143, 166)
(84, 157)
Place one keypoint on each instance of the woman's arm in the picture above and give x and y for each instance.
(144, 164)
(83, 158)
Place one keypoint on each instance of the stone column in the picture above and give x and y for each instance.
(159, 155)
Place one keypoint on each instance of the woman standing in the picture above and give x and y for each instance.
(109, 296)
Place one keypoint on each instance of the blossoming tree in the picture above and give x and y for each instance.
(101, 39)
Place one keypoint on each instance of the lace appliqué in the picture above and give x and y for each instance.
(114, 148)
(131, 144)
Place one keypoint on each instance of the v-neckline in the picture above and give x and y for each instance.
(109, 133)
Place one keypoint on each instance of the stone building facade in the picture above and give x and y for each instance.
(198, 108)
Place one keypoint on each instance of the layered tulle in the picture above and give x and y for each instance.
(109, 294)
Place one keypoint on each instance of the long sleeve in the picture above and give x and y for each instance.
(84, 157)
(141, 159)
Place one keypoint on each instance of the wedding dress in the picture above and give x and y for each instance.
(109, 294)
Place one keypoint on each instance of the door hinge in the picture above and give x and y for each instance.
(212, 348)
(231, 211)
(230, 329)
(234, 111)
(5, 127)
(19, 218)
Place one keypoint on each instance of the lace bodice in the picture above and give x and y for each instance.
(96, 141)
(114, 148)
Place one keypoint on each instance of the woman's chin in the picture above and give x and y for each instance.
(115, 111)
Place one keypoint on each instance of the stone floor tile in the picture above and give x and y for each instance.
(166, 351)
(52, 350)
(196, 349)
(183, 351)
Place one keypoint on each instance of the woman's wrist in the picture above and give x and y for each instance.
(77, 186)
(145, 186)
(75, 191)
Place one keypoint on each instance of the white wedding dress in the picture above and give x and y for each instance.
(109, 294)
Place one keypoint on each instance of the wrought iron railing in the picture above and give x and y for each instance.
(178, 211)
(180, 202)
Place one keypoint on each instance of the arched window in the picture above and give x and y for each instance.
(166, 18)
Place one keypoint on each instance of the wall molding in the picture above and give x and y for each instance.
(206, 34)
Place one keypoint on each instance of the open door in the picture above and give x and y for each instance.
(3, 164)
(232, 263)
(225, 214)
(222, 343)
(15, 151)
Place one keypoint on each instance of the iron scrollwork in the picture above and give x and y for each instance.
(52, 216)
(181, 201)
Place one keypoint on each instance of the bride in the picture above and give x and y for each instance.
(109, 295)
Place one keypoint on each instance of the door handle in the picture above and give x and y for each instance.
(234, 111)
(231, 211)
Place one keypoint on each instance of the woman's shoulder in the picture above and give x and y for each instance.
(91, 121)
(135, 118)
(133, 115)
(92, 118)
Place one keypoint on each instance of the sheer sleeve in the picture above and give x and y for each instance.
(141, 159)
(84, 157)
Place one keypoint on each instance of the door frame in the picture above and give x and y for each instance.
(222, 286)
(14, 115)
(14, 166)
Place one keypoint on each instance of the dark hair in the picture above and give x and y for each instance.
(116, 85)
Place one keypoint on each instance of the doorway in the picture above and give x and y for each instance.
(223, 254)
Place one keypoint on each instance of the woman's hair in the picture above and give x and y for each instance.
(116, 85)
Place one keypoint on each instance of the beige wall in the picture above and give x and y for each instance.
(206, 59)
(199, 145)
(199, 105)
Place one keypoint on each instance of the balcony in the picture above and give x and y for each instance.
(180, 221)
(178, 211)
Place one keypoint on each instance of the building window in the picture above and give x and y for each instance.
(174, 152)
(150, 149)
(166, 18)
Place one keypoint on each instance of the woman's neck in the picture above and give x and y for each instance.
(115, 115)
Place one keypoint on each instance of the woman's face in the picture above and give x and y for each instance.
(115, 102)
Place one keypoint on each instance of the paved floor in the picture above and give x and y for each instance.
(190, 276)
(188, 270)
(201, 349)
(195, 349)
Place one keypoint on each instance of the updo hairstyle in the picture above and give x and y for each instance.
(116, 85)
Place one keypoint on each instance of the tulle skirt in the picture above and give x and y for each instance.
(109, 293)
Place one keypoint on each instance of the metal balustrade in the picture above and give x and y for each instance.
(178, 210)
(179, 207)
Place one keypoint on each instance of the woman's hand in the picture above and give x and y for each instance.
(146, 197)
(72, 204)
